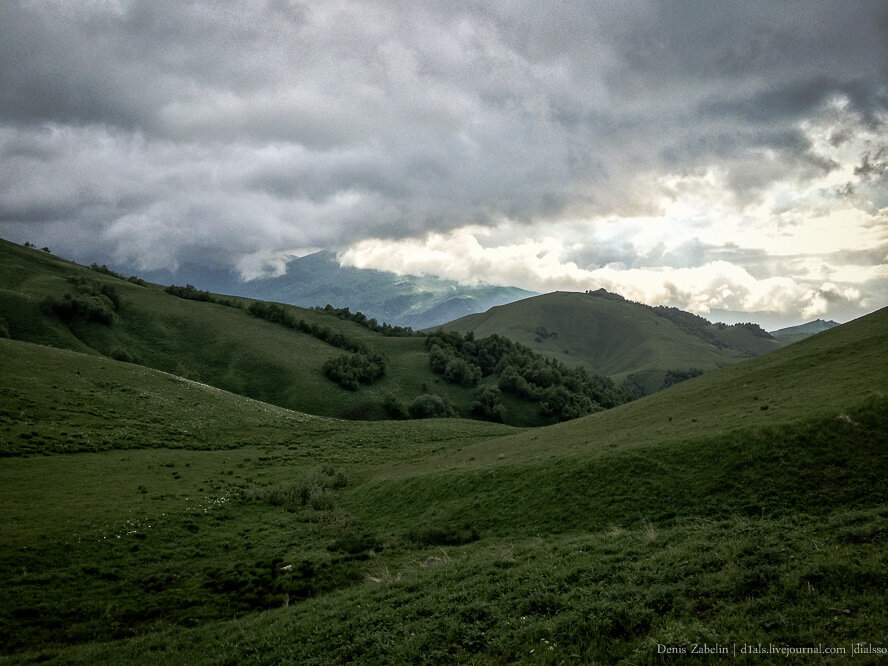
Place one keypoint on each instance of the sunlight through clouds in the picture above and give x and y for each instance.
(639, 146)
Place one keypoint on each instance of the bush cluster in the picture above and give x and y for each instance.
(455, 369)
(395, 408)
(689, 322)
(561, 392)
(488, 404)
(190, 292)
(311, 491)
(352, 370)
(91, 301)
(268, 584)
(445, 535)
(429, 406)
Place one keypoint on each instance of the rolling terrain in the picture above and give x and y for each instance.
(153, 519)
(217, 342)
(623, 340)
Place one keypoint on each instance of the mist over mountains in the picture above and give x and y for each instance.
(318, 279)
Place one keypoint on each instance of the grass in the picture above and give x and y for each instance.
(153, 519)
(219, 345)
(610, 337)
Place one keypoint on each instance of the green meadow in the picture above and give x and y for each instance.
(154, 518)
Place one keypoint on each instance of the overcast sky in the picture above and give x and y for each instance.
(711, 156)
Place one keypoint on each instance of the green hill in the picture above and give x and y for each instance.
(623, 340)
(216, 342)
(744, 507)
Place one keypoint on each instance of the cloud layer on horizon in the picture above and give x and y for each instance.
(711, 156)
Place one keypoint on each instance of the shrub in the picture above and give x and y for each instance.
(372, 324)
(562, 392)
(430, 406)
(352, 370)
(79, 308)
(488, 404)
(107, 271)
(395, 408)
(458, 371)
(311, 490)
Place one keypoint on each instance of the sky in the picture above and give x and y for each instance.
(718, 157)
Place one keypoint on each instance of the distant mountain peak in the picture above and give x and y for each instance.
(318, 279)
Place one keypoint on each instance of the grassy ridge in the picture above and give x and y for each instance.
(694, 515)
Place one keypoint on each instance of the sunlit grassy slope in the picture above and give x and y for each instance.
(744, 506)
(611, 336)
(222, 346)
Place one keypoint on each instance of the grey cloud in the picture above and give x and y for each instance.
(873, 164)
(222, 130)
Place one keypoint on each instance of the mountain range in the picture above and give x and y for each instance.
(792, 334)
(318, 279)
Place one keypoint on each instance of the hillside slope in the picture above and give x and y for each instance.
(617, 338)
(218, 343)
(745, 506)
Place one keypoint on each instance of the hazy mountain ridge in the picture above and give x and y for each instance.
(401, 300)
(792, 334)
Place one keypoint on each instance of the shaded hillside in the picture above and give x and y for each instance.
(744, 506)
(792, 334)
(324, 361)
(621, 339)
(218, 340)
(403, 300)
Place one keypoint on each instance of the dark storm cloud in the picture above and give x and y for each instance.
(165, 131)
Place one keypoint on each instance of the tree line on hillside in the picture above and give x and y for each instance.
(702, 327)
(191, 293)
(371, 323)
(362, 366)
(107, 271)
(562, 393)
(687, 321)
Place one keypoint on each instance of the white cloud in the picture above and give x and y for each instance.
(537, 265)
